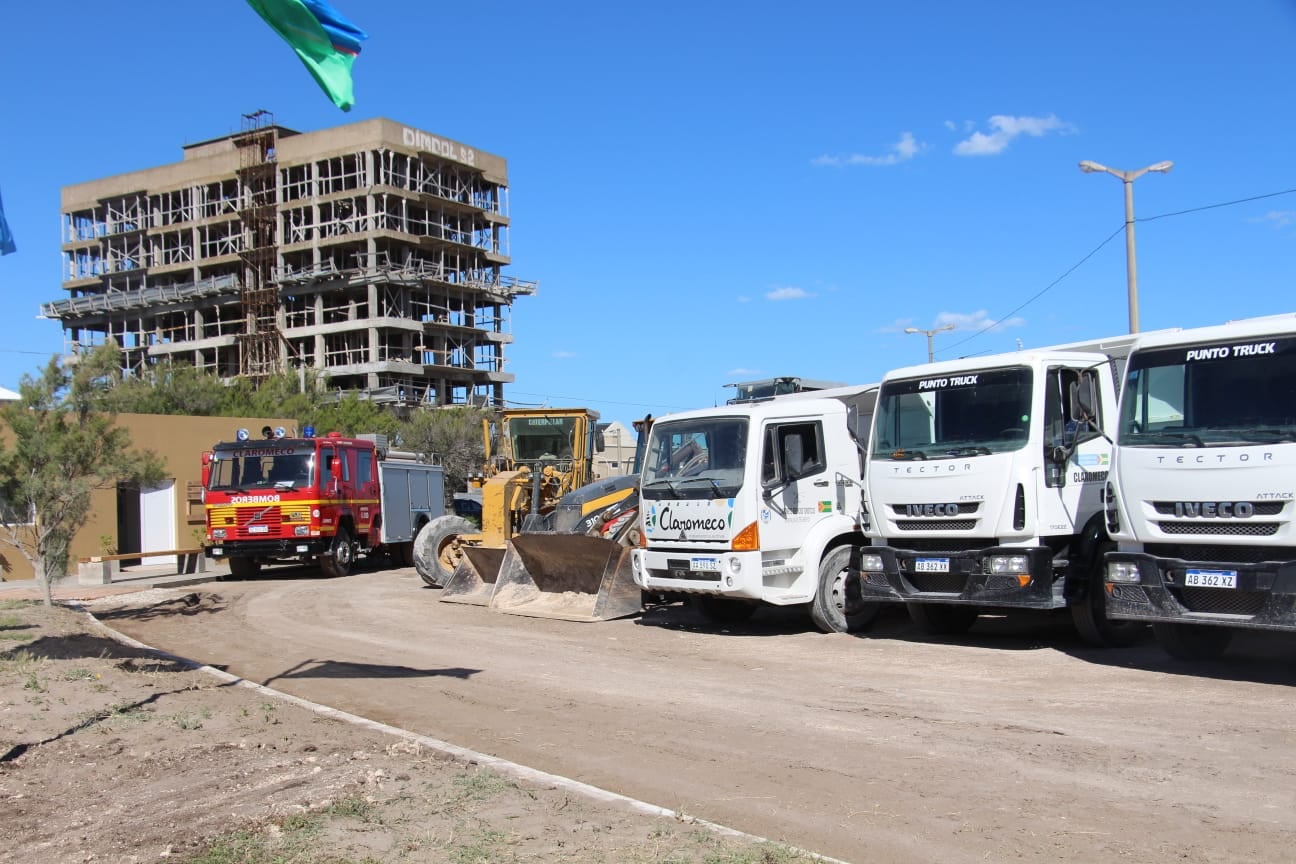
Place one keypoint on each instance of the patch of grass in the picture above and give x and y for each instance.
(6, 605)
(481, 786)
(484, 848)
(267, 713)
(295, 839)
(128, 712)
(6, 636)
(354, 807)
(79, 674)
(191, 721)
(8, 622)
(21, 662)
(34, 683)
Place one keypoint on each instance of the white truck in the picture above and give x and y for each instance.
(1200, 500)
(985, 480)
(758, 502)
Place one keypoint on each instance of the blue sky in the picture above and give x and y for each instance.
(708, 193)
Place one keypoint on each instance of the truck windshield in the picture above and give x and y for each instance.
(261, 468)
(1217, 395)
(700, 458)
(539, 438)
(963, 414)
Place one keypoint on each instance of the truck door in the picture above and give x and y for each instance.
(796, 485)
(366, 487)
(1076, 456)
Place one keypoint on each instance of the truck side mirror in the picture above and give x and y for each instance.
(1084, 397)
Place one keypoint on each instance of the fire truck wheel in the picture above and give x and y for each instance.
(244, 568)
(338, 560)
(837, 606)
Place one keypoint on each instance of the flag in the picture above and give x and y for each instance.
(324, 40)
(6, 237)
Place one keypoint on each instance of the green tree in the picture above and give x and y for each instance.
(63, 448)
(452, 435)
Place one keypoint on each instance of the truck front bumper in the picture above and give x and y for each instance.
(719, 573)
(1263, 596)
(1019, 577)
(286, 548)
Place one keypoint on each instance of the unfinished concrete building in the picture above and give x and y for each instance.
(368, 255)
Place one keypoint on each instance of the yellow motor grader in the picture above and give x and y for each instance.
(516, 561)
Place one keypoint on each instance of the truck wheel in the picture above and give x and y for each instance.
(939, 619)
(437, 550)
(1090, 614)
(244, 568)
(1192, 641)
(721, 610)
(837, 607)
(337, 561)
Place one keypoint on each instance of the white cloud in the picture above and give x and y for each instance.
(787, 293)
(902, 151)
(742, 372)
(1004, 129)
(564, 355)
(1279, 218)
(976, 321)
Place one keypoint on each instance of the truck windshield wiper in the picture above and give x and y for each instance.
(1279, 434)
(968, 451)
(663, 482)
(715, 485)
(1168, 437)
(902, 454)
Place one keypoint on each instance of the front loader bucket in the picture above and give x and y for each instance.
(473, 581)
(573, 577)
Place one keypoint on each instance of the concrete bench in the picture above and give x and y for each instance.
(105, 569)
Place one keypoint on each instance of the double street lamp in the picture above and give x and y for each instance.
(1131, 270)
(929, 334)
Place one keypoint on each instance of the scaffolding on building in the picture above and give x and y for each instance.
(375, 266)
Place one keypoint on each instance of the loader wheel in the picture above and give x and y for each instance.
(244, 568)
(837, 606)
(337, 561)
(1192, 641)
(437, 550)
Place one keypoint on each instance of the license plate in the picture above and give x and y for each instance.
(217, 550)
(1210, 579)
(931, 565)
(705, 565)
(258, 529)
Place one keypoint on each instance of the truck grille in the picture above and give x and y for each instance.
(965, 507)
(946, 583)
(1229, 529)
(944, 544)
(1216, 554)
(1262, 508)
(1220, 601)
(236, 521)
(935, 524)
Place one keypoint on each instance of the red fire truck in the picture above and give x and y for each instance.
(282, 499)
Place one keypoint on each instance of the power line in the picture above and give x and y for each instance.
(1094, 251)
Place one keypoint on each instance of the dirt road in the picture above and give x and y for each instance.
(1014, 742)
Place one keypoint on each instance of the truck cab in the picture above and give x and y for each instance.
(985, 480)
(757, 503)
(1200, 500)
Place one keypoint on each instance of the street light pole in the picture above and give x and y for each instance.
(1131, 268)
(929, 334)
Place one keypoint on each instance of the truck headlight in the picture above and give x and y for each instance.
(734, 564)
(1008, 565)
(871, 563)
(1123, 571)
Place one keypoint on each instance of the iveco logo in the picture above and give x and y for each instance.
(1215, 509)
(931, 509)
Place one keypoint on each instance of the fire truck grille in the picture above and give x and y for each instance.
(1231, 529)
(245, 523)
(1220, 601)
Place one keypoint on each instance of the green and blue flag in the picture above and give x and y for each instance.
(324, 40)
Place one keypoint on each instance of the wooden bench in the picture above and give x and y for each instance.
(104, 569)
